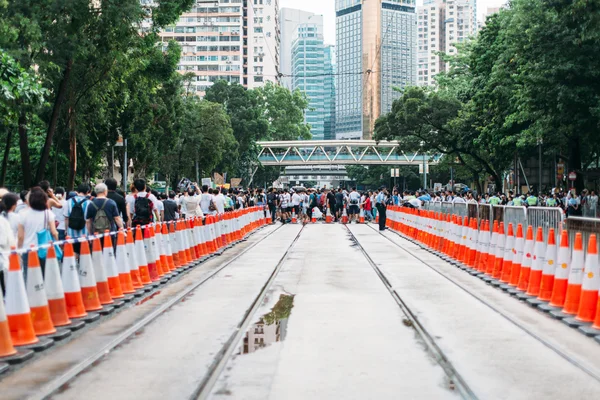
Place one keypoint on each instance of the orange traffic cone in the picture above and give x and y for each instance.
(6, 345)
(150, 256)
(344, 216)
(523, 280)
(500, 252)
(167, 238)
(537, 264)
(100, 273)
(591, 283)
(87, 279)
(70, 280)
(550, 265)
(140, 255)
(132, 261)
(38, 302)
(561, 273)
(361, 216)
(55, 291)
(491, 259)
(573, 295)
(114, 283)
(174, 243)
(294, 219)
(509, 253)
(17, 307)
(122, 265)
(518, 253)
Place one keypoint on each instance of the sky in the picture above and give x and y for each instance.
(327, 8)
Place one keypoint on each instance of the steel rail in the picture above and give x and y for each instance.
(223, 356)
(460, 384)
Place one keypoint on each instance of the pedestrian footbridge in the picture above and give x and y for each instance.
(340, 152)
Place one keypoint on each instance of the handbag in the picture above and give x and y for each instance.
(44, 236)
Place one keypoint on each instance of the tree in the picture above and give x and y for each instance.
(19, 91)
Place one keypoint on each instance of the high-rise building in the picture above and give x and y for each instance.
(461, 22)
(232, 40)
(431, 40)
(312, 74)
(262, 36)
(329, 124)
(376, 52)
(442, 24)
(290, 19)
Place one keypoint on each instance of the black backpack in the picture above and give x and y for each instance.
(77, 216)
(142, 210)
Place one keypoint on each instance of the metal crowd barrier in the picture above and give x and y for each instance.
(446, 207)
(473, 211)
(484, 211)
(515, 215)
(546, 218)
(586, 226)
(460, 209)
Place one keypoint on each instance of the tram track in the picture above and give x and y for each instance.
(204, 389)
(548, 344)
(63, 379)
(460, 384)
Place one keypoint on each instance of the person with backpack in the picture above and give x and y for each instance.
(103, 213)
(75, 212)
(141, 204)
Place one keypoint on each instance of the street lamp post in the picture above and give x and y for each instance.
(424, 169)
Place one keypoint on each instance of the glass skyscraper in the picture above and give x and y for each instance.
(313, 74)
(329, 125)
(376, 52)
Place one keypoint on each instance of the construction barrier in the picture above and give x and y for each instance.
(77, 290)
(517, 251)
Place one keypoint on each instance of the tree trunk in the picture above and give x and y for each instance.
(58, 101)
(24, 148)
(72, 150)
(9, 134)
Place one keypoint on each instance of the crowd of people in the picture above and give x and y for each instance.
(582, 204)
(304, 204)
(44, 214)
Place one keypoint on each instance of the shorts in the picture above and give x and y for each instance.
(353, 209)
(296, 209)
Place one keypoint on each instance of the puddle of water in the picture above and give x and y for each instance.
(270, 328)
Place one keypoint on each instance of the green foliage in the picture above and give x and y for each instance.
(530, 76)
(271, 112)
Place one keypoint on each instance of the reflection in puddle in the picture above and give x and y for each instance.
(270, 328)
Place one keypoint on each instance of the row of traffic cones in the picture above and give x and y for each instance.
(49, 308)
(558, 280)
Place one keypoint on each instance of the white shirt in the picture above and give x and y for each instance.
(33, 222)
(458, 199)
(59, 215)
(220, 203)
(285, 200)
(159, 206)
(205, 199)
(7, 240)
(354, 196)
(14, 220)
(295, 199)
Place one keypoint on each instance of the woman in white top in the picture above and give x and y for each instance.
(33, 220)
(7, 238)
(59, 215)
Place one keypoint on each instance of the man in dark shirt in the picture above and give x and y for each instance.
(101, 202)
(339, 203)
(331, 203)
(111, 184)
(170, 207)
